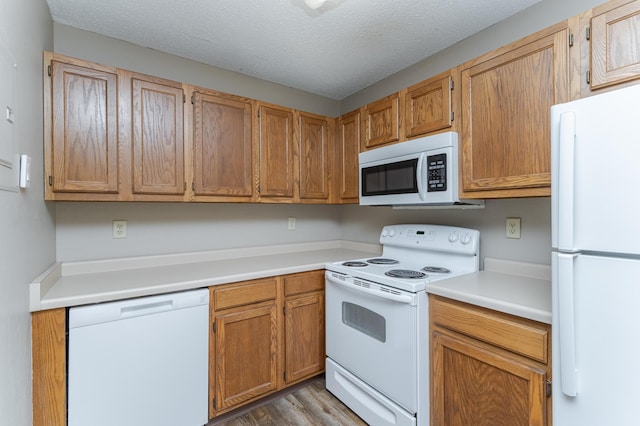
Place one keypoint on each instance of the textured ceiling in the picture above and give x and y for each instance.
(334, 51)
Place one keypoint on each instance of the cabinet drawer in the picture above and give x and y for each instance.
(508, 332)
(303, 283)
(245, 293)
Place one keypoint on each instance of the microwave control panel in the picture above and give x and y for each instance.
(437, 172)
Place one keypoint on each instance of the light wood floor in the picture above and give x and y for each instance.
(310, 405)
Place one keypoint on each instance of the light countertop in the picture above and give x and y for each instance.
(78, 283)
(517, 288)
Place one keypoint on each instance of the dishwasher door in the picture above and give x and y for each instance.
(140, 362)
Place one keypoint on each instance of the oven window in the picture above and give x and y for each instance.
(364, 320)
(392, 178)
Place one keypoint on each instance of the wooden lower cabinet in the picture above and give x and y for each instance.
(266, 334)
(487, 368)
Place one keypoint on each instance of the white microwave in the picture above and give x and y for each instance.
(418, 172)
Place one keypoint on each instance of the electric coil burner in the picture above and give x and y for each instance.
(377, 314)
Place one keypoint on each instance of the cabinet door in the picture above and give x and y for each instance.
(314, 157)
(222, 146)
(158, 139)
(277, 147)
(476, 386)
(506, 101)
(246, 355)
(85, 129)
(381, 122)
(428, 106)
(304, 336)
(615, 44)
(347, 150)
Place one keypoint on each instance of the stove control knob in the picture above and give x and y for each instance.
(466, 239)
(453, 237)
(385, 232)
(392, 232)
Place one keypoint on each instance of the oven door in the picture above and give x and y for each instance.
(372, 333)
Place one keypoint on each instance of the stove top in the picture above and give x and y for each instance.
(414, 255)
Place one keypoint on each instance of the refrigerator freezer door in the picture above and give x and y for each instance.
(596, 172)
(606, 292)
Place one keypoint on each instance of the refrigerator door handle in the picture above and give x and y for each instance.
(566, 324)
(566, 175)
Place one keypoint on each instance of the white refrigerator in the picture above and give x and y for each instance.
(595, 156)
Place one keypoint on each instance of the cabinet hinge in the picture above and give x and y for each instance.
(284, 310)
(214, 403)
(570, 40)
(258, 112)
(50, 180)
(588, 33)
(588, 76)
(548, 388)
(185, 186)
(452, 115)
(193, 186)
(450, 84)
(49, 70)
(284, 375)
(214, 327)
(184, 98)
(193, 99)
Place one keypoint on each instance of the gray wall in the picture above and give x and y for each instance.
(27, 245)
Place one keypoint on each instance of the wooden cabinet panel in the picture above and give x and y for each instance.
(304, 336)
(277, 152)
(347, 150)
(314, 157)
(84, 144)
(158, 138)
(381, 122)
(615, 44)
(246, 355)
(222, 145)
(506, 100)
(49, 362)
(304, 282)
(244, 293)
(428, 106)
(474, 385)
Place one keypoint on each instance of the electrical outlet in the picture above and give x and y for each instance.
(513, 227)
(291, 226)
(119, 229)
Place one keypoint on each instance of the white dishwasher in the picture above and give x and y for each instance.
(140, 362)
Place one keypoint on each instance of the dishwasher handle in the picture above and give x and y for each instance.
(83, 316)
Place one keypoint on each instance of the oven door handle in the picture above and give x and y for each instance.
(347, 282)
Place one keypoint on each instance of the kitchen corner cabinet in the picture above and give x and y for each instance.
(487, 367)
(347, 148)
(223, 160)
(314, 159)
(243, 343)
(428, 106)
(81, 129)
(506, 96)
(381, 122)
(277, 153)
(304, 325)
(610, 54)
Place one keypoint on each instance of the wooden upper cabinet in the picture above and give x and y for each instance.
(314, 157)
(506, 99)
(277, 152)
(381, 122)
(428, 106)
(222, 145)
(615, 43)
(157, 115)
(347, 150)
(82, 154)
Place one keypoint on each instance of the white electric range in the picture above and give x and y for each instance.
(377, 320)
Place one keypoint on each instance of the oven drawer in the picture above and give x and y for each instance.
(502, 330)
